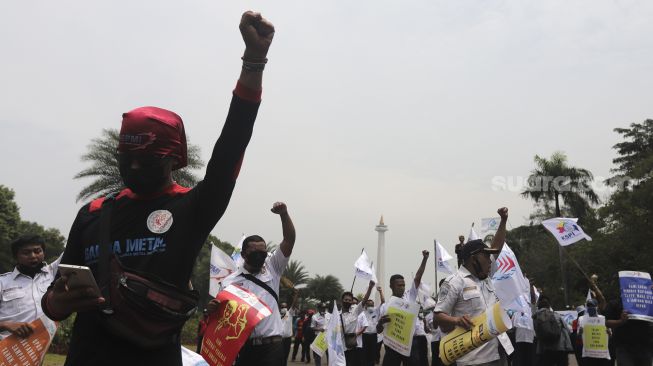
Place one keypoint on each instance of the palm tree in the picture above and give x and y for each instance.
(296, 272)
(102, 154)
(552, 180)
(325, 288)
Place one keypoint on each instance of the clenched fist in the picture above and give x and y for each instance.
(257, 33)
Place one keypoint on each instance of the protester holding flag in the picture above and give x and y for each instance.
(470, 291)
(319, 322)
(370, 337)
(353, 327)
(398, 287)
(261, 274)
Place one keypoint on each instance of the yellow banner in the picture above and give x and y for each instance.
(595, 337)
(398, 333)
(320, 345)
(487, 326)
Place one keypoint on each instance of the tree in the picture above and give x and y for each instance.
(325, 288)
(103, 155)
(11, 227)
(553, 180)
(296, 272)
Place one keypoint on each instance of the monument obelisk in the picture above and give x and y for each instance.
(381, 228)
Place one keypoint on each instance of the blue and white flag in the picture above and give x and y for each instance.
(221, 266)
(637, 294)
(508, 279)
(566, 230)
(490, 225)
(442, 258)
(335, 339)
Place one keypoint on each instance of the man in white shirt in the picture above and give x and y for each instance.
(21, 290)
(468, 292)
(319, 322)
(371, 341)
(261, 274)
(398, 287)
(354, 324)
(287, 315)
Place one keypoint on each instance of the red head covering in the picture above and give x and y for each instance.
(154, 131)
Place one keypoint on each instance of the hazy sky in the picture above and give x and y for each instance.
(401, 108)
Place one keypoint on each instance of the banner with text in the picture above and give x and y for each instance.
(230, 326)
(28, 351)
(637, 294)
(595, 337)
(398, 334)
(320, 345)
(487, 326)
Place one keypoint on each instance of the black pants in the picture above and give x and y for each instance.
(435, 354)
(263, 355)
(286, 349)
(394, 358)
(354, 357)
(369, 349)
(295, 348)
(419, 352)
(306, 348)
(524, 354)
(552, 358)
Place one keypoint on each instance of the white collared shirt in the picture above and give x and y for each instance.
(464, 294)
(271, 275)
(20, 294)
(319, 321)
(354, 321)
(411, 296)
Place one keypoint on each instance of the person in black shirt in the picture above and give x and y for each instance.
(459, 249)
(632, 339)
(157, 226)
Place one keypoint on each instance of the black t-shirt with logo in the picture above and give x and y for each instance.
(161, 235)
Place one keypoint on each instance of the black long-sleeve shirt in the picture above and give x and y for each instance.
(161, 236)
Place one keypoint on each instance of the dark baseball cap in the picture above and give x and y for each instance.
(476, 246)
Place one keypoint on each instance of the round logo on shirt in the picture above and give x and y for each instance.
(159, 221)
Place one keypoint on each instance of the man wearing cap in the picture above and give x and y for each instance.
(156, 226)
(468, 292)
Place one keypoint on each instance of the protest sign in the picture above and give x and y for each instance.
(595, 337)
(637, 294)
(229, 327)
(398, 334)
(320, 345)
(28, 351)
(487, 326)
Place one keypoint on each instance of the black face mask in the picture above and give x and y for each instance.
(256, 259)
(148, 179)
(30, 271)
(591, 311)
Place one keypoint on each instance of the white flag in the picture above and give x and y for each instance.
(589, 295)
(441, 259)
(424, 296)
(472, 234)
(220, 267)
(363, 268)
(335, 339)
(490, 224)
(508, 279)
(236, 255)
(565, 230)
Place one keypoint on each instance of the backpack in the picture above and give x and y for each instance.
(547, 326)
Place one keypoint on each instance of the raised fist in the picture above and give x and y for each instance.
(279, 208)
(425, 253)
(257, 33)
(503, 212)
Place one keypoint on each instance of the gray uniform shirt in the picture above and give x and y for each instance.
(462, 293)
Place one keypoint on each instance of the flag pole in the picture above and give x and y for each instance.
(354, 281)
(435, 254)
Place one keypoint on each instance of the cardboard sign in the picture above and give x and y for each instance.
(595, 337)
(28, 351)
(230, 326)
(398, 334)
(320, 344)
